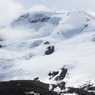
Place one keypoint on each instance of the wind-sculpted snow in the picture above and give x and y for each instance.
(69, 35)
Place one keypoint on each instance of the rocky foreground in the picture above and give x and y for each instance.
(33, 87)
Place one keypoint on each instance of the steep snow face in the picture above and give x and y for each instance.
(36, 20)
(70, 94)
(76, 22)
(44, 42)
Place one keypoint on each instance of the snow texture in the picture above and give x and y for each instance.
(72, 34)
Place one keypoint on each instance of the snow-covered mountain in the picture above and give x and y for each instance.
(57, 47)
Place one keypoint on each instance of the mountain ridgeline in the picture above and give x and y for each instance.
(48, 53)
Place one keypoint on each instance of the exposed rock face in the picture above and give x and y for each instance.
(88, 86)
(31, 18)
(58, 77)
(31, 87)
(36, 79)
(38, 17)
(61, 85)
(79, 91)
(46, 43)
(62, 74)
(1, 46)
(50, 50)
(52, 74)
(25, 87)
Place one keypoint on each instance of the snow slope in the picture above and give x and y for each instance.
(26, 40)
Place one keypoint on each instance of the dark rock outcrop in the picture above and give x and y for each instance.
(58, 77)
(79, 91)
(1, 46)
(46, 42)
(52, 74)
(60, 85)
(24, 87)
(62, 74)
(50, 50)
(36, 79)
(88, 86)
(38, 18)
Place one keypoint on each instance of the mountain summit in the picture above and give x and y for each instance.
(54, 47)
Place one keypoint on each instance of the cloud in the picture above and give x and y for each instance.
(38, 8)
(8, 11)
(12, 34)
(61, 4)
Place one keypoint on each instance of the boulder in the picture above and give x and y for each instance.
(50, 50)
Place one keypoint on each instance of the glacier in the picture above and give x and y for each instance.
(25, 41)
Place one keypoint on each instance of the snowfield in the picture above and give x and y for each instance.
(25, 41)
(70, 94)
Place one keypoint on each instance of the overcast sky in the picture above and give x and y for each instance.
(60, 4)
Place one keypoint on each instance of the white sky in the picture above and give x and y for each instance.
(60, 4)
